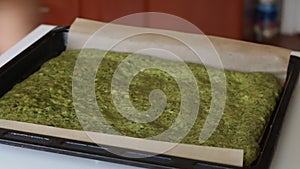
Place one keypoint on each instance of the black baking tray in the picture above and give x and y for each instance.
(51, 45)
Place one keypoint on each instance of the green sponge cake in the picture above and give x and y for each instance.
(45, 98)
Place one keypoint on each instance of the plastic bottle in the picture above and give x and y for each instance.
(267, 24)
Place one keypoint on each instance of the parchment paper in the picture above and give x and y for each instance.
(236, 55)
(233, 54)
(212, 154)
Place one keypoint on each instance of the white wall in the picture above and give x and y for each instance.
(290, 21)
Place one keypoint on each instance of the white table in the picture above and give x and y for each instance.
(287, 155)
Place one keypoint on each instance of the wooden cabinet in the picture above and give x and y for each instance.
(213, 17)
(60, 12)
(109, 10)
(222, 18)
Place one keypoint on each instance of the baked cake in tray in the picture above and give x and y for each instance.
(45, 98)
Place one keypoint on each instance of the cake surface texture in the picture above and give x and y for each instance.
(45, 98)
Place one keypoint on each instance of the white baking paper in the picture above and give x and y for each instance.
(233, 54)
(209, 50)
